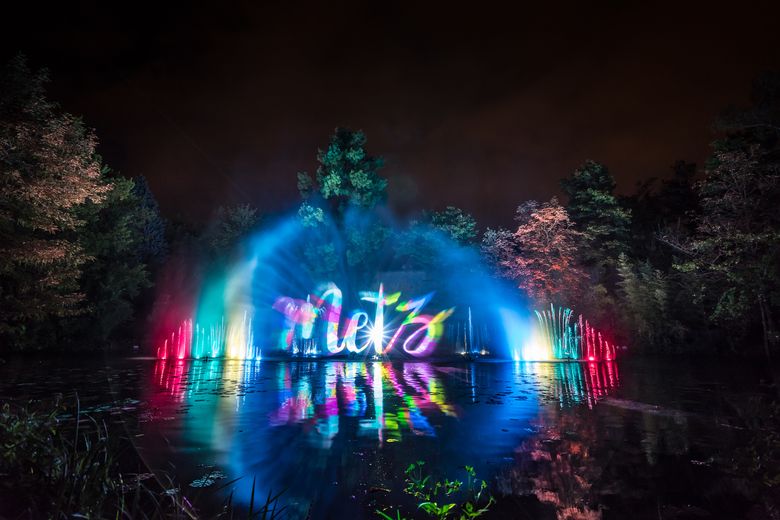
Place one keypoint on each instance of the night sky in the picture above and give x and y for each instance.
(478, 106)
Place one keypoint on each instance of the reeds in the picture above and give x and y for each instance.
(57, 462)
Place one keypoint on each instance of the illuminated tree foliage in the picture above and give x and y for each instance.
(597, 213)
(48, 168)
(337, 211)
(347, 175)
(541, 255)
(77, 239)
(455, 223)
(421, 245)
(604, 225)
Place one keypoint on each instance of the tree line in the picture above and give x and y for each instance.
(690, 264)
(683, 265)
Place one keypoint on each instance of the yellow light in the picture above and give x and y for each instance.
(535, 350)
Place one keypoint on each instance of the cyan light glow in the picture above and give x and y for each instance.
(268, 299)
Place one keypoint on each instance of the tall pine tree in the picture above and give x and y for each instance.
(597, 213)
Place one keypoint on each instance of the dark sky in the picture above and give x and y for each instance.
(474, 104)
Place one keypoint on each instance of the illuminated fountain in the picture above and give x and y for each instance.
(568, 339)
(269, 300)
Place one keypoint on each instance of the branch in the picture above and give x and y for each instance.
(674, 243)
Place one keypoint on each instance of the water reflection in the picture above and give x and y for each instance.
(575, 383)
(315, 391)
(302, 426)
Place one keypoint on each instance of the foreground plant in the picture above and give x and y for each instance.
(57, 462)
(758, 457)
(442, 499)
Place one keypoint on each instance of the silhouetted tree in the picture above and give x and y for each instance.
(663, 214)
(117, 274)
(760, 122)
(644, 295)
(736, 249)
(678, 203)
(733, 258)
(499, 249)
(149, 224)
(227, 227)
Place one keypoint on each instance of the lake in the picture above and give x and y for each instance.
(553, 440)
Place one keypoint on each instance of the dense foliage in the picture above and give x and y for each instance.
(338, 208)
(677, 264)
(49, 168)
(597, 214)
(736, 247)
(347, 175)
(541, 255)
(455, 223)
(733, 256)
(75, 240)
(227, 227)
(667, 269)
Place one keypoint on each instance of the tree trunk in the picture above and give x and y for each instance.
(770, 325)
(765, 324)
(769, 340)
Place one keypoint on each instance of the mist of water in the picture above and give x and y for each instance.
(290, 291)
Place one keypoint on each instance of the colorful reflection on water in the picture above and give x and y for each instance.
(330, 430)
(553, 440)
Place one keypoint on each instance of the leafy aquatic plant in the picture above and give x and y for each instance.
(442, 499)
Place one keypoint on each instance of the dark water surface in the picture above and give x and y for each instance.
(606, 440)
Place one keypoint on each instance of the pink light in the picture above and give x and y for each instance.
(432, 326)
